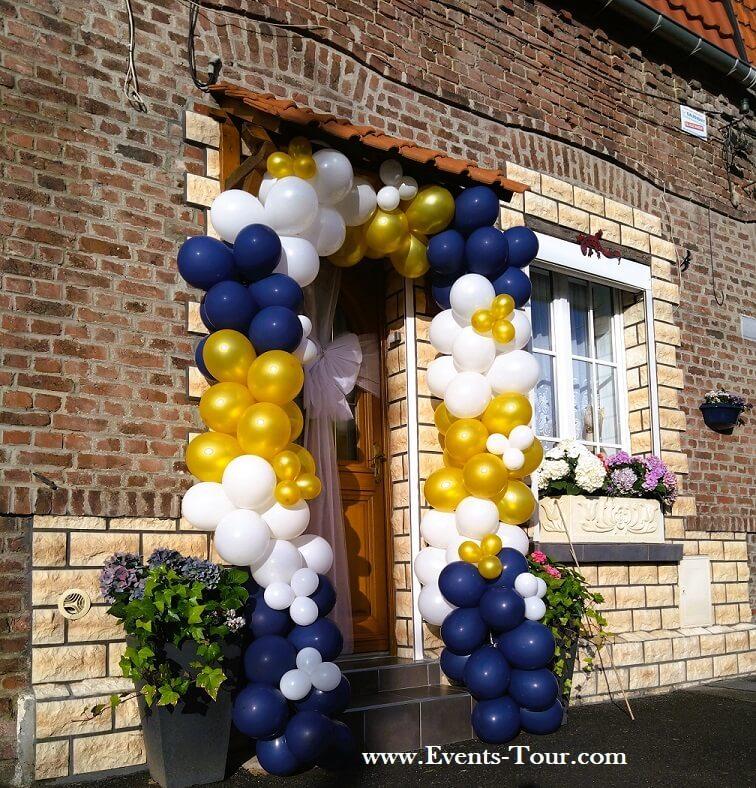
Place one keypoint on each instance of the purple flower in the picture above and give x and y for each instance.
(163, 555)
(623, 479)
(620, 458)
(122, 573)
(198, 569)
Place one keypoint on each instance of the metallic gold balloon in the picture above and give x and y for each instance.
(482, 320)
(208, 454)
(411, 259)
(280, 164)
(490, 544)
(485, 475)
(444, 489)
(300, 146)
(470, 552)
(264, 429)
(295, 417)
(287, 466)
(287, 493)
(309, 486)
(386, 231)
(443, 419)
(431, 210)
(305, 167)
(275, 376)
(517, 504)
(502, 306)
(503, 331)
(222, 405)
(465, 438)
(490, 567)
(506, 411)
(228, 355)
(352, 250)
(533, 458)
(449, 461)
(307, 460)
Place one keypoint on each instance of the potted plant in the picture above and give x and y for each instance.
(722, 410)
(183, 633)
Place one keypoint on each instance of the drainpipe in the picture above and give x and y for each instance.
(665, 30)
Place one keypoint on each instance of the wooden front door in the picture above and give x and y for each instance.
(360, 450)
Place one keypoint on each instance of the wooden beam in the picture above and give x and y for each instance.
(249, 165)
(230, 152)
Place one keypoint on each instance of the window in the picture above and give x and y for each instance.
(578, 343)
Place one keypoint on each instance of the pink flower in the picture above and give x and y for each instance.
(538, 557)
(552, 571)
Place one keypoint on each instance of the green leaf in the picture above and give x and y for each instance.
(195, 614)
(168, 697)
(149, 690)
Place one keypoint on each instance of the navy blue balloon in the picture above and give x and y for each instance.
(324, 596)
(486, 674)
(276, 758)
(260, 711)
(527, 647)
(268, 658)
(475, 207)
(308, 734)
(523, 246)
(496, 721)
(463, 630)
(204, 261)
(502, 608)
(275, 328)
(515, 283)
(486, 252)
(229, 305)
(542, 722)
(513, 563)
(446, 254)
(440, 289)
(200, 361)
(461, 584)
(453, 665)
(257, 249)
(534, 689)
(277, 290)
(204, 318)
(267, 621)
(322, 635)
(328, 702)
(341, 752)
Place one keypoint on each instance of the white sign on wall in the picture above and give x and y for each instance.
(692, 121)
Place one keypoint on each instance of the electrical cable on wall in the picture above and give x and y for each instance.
(131, 80)
(215, 63)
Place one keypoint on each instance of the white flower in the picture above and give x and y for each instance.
(589, 472)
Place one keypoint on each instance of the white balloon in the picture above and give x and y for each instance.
(267, 183)
(476, 517)
(234, 209)
(277, 563)
(438, 528)
(521, 437)
(497, 443)
(471, 292)
(535, 609)
(304, 582)
(542, 588)
(315, 551)
(279, 595)
(303, 611)
(526, 585)
(440, 373)
(307, 351)
(517, 371)
(467, 395)
(295, 684)
(204, 505)
(388, 198)
(299, 260)
(334, 178)
(308, 658)
(306, 325)
(513, 536)
(241, 537)
(250, 481)
(286, 522)
(390, 172)
(428, 564)
(521, 325)
(407, 187)
(472, 352)
(327, 232)
(291, 205)
(326, 676)
(360, 204)
(432, 605)
(452, 550)
(514, 459)
(444, 329)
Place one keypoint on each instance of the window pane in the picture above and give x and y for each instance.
(545, 401)
(540, 309)
(583, 401)
(602, 322)
(579, 319)
(608, 405)
(347, 440)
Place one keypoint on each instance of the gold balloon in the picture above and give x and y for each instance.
(485, 476)
(443, 419)
(465, 438)
(300, 146)
(449, 461)
(386, 231)
(533, 457)
(307, 460)
(287, 466)
(517, 504)
(287, 493)
(309, 486)
(280, 164)
(264, 430)
(222, 405)
(470, 552)
(503, 331)
(431, 210)
(295, 417)
(305, 167)
(208, 454)
(352, 250)
(275, 376)
(228, 355)
(482, 320)
(507, 411)
(502, 306)
(490, 567)
(490, 544)
(445, 488)
(411, 259)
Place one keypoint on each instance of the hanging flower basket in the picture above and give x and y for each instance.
(722, 410)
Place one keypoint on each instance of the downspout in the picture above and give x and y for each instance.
(665, 30)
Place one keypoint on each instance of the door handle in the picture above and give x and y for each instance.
(377, 460)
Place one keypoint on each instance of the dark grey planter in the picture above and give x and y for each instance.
(721, 418)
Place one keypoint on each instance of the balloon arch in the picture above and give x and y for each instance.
(255, 480)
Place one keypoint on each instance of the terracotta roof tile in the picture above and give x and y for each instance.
(745, 11)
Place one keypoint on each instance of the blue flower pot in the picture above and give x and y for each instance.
(720, 418)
